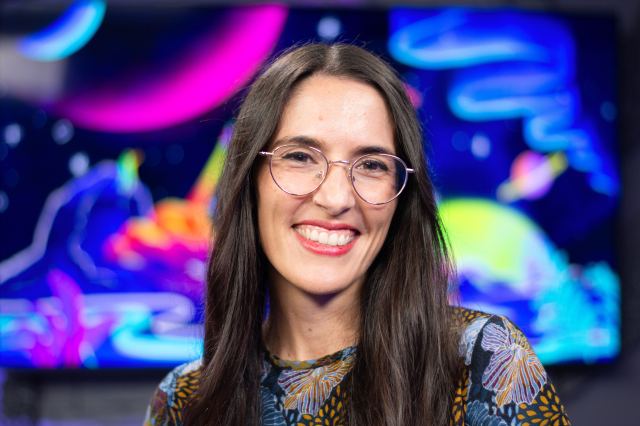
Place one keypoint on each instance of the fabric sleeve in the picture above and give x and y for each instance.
(157, 410)
(171, 396)
(506, 384)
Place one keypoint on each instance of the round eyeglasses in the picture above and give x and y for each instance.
(300, 170)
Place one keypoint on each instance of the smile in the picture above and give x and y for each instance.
(341, 237)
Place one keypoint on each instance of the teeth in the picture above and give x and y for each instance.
(322, 236)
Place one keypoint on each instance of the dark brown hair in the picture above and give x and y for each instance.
(406, 360)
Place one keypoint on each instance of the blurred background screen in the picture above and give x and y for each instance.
(114, 124)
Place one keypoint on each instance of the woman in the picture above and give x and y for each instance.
(327, 288)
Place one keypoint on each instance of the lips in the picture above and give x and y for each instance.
(340, 237)
(326, 238)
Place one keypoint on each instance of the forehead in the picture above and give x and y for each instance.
(341, 113)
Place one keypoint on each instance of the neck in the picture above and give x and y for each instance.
(302, 326)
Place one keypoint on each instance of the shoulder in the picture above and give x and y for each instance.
(172, 394)
(504, 381)
(470, 325)
(483, 334)
(493, 347)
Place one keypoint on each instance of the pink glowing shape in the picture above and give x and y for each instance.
(414, 95)
(527, 161)
(169, 246)
(68, 340)
(218, 65)
(532, 174)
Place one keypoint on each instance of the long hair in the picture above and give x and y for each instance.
(406, 360)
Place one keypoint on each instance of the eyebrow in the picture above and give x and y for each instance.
(315, 143)
(301, 139)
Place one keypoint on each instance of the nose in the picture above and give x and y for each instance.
(336, 194)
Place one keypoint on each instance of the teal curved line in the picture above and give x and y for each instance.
(67, 34)
(130, 340)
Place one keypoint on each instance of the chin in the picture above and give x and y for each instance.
(325, 287)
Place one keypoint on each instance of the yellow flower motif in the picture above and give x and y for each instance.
(545, 411)
(459, 405)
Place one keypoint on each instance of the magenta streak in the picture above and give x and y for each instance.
(61, 345)
(218, 66)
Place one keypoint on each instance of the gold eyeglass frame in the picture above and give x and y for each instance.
(329, 163)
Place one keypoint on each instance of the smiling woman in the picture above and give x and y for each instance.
(346, 118)
(327, 289)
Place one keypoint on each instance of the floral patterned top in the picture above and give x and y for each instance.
(503, 384)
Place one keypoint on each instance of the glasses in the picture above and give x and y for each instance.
(300, 170)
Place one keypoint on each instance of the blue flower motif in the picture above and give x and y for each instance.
(478, 415)
(469, 337)
(270, 414)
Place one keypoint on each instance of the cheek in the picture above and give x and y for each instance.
(379, 221)
(385, 224)
(275, 210)
(384, 217)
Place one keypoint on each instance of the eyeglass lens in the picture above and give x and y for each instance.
(300, 170)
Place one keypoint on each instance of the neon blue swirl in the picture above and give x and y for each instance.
(508, 65)
(67, 34)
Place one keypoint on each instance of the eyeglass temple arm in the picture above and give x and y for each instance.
(410, 170)
(265, 153)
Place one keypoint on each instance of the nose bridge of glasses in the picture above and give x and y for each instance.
(346, 165)
(335, 192)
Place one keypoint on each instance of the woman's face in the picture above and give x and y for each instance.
(344, 118)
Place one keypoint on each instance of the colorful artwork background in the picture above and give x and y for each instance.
(108, 172)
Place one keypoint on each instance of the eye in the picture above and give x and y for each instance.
(372, 165)
(298, 157)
